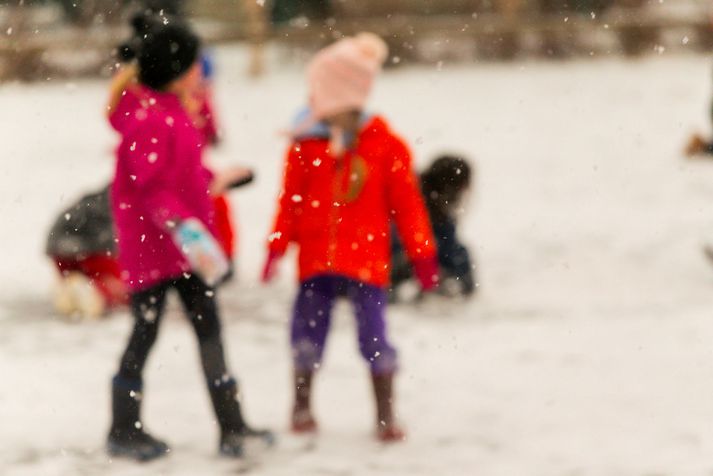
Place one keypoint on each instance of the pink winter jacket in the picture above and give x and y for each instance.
(159, 178)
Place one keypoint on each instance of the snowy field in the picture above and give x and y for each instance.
(589, 350)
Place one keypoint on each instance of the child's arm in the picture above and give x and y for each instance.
(408, 211)
(147, 153)
(289, 202)
(230, 178)
(289, 207)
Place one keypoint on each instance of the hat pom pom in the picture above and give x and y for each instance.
(372, 46)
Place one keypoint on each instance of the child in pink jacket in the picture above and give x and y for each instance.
(164, 224)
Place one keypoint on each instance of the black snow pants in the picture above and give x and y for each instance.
(147, 306)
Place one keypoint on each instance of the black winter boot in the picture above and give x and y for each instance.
(233, 429)
(127, 437)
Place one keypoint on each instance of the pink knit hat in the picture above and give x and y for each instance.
(340, 76)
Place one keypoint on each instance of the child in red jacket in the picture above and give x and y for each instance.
(347, 175)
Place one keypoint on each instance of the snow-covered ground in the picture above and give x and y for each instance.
(589, 350)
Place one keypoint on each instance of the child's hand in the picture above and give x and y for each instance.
(426, 271)
(269, 271)
(202, 251)
(230, 178)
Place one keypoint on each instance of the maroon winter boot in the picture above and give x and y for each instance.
(302, 419)
(387, 428)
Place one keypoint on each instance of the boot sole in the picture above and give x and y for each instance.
(264, 439)
(120, 451)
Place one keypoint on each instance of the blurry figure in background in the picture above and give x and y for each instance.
(257, 29)
(444, 186)
(347, 175)
(81, 244)
(283, 11)
(163, 217)
(698, 145)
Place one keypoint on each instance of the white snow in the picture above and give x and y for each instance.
(589, 350)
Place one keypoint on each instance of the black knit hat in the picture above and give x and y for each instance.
(141, 23)
(167, 51)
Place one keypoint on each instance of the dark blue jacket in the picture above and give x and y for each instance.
(454, 260)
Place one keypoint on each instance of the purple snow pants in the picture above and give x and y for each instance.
(313, 312)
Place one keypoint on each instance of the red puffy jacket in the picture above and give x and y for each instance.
(338, 210)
